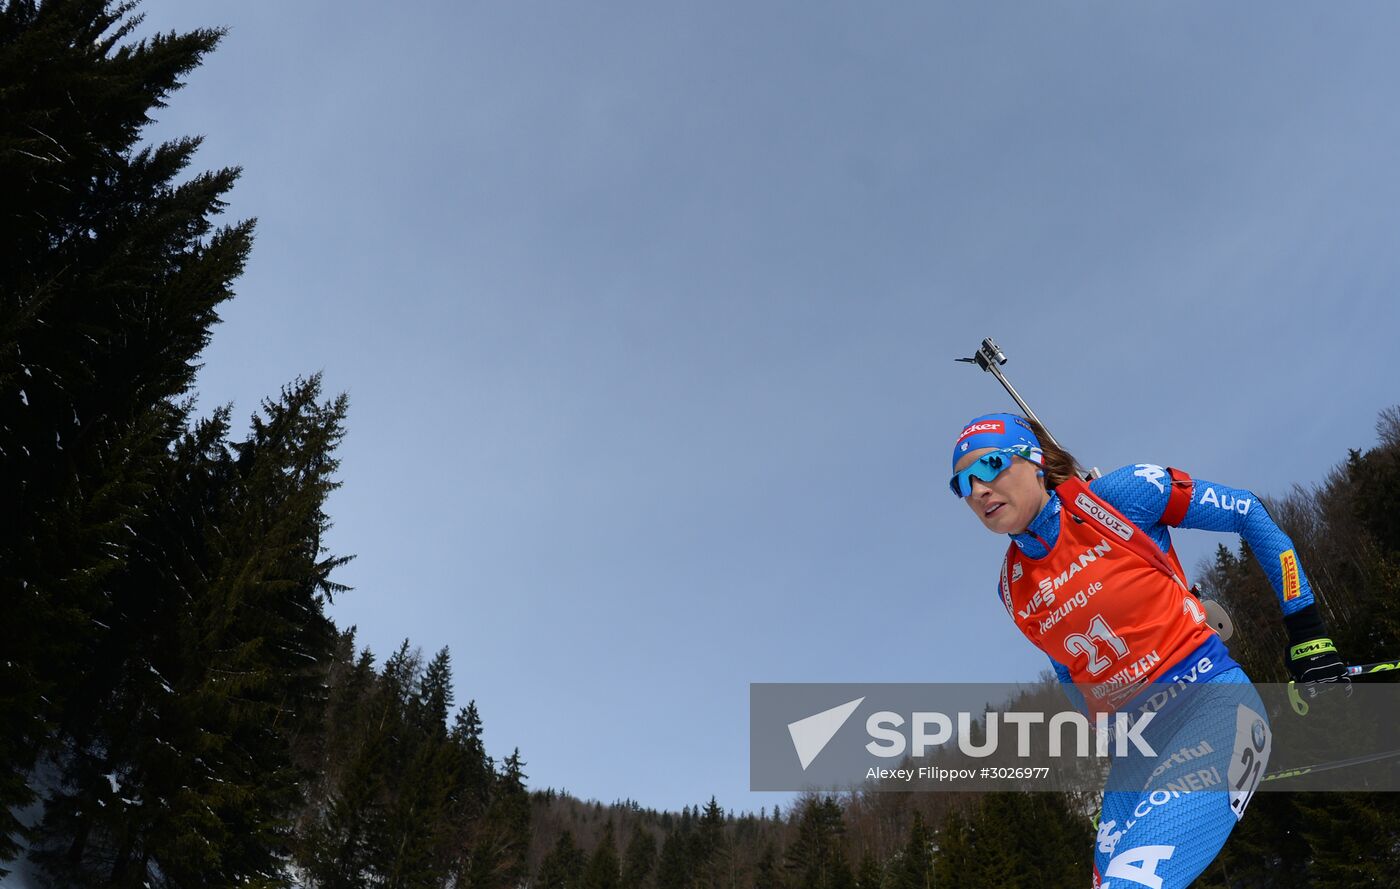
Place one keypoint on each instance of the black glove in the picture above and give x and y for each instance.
(1311, 657)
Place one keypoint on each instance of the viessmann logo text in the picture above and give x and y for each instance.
(892, 735)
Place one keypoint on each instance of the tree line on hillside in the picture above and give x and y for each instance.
(176, 707)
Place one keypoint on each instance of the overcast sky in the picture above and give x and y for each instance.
(647, 312)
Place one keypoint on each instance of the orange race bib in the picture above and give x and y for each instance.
(1105, 602)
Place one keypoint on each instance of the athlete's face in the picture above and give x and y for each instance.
(1007, 503)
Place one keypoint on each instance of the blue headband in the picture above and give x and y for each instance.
(996, 431)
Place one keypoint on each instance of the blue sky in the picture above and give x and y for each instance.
(647, 312)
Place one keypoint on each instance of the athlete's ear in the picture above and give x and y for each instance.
(1040, 473)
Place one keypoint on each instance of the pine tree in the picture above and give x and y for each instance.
(223, 667)
(111, 275)
(1265, 849)
(639, 859)
(767, 874)
(417, 826)
(840, 875)
(501, 840)
(816, 857)
(563, 867)
(345, 806)
(1353, 838)
(711, 856)
(339, 850)
(869, 875)
(673, 871)
(1374, 477)
(469, 774)
(604, 870)
(400, 803)
(467, 732)
(435, 693)
(1030, 837)
(915, 867)
(1009, 839)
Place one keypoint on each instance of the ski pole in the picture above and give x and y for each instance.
(1300, 706)
(1380, 667)
(1283, 774)
(1323, 767)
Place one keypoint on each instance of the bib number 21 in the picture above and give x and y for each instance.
(1087, 645)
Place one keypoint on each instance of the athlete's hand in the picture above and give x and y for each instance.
(1311, 657)
(1317, 668)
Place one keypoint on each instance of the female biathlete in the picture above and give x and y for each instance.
(1092, 580)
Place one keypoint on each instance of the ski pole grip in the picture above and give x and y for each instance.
(1300, 706)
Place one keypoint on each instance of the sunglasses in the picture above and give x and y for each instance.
(987, 467)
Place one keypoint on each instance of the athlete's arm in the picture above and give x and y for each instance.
(1155, 498)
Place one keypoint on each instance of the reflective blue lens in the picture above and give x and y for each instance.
(987, 467)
